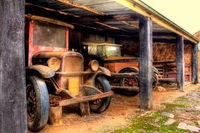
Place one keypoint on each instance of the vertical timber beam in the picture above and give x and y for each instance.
(12, 68)
(195, 63)
(180, 63)
(145, 64)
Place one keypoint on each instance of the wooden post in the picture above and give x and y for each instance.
(145, 65)
(55, 115)
(12, 67)
(180, 63)
(195, 63)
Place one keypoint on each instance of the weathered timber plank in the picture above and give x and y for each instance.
(123, 75)
(180, 63)
(45, 19)
(195, 63)
(12, 67)
(145, 65)
(84, 99)
(167, 80)
(126, 88)
(73, 4)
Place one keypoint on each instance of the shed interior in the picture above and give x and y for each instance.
(110, 21)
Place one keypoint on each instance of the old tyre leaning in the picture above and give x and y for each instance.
(100, 105)
(37, 103)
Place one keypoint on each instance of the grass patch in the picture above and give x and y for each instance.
(182, 100)
(148, 125)
(172, 107)
(155, 122)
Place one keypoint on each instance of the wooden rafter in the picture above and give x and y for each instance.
(89, 27)
(131, 25)
(108, 26)
(50, 9)
(107, 18)
(70, 3)
(53, 21)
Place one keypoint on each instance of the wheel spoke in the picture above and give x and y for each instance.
(31, 102)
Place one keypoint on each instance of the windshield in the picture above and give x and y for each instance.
(46, 34)
(103, 51)
(113, 51)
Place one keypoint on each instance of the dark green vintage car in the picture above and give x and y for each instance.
(109, 55)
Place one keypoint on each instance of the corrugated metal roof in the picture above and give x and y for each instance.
(100, 15)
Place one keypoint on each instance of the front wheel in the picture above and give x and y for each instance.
(100, 105)
(37, 103)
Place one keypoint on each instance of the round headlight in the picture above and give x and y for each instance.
(94, 65)
(54, 63)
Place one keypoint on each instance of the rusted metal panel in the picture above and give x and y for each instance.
(116, 67)
(71, 62)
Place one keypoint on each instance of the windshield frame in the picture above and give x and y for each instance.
(110, 46)
(34, 48)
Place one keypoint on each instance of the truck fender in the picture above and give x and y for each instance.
(104, 71)
(134, 69)
(101, 71)
(41, 70)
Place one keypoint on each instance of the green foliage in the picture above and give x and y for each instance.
(148, 125)
(155, 122)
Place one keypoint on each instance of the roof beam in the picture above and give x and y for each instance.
(73, 4)
(146, 11)
(128, 24)
(106, 18)
(52, 10)
(49, 20)
(108, 26)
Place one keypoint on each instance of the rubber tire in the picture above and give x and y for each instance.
(106, 101)
(42, 105)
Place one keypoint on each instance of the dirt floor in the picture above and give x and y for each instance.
(117, 116)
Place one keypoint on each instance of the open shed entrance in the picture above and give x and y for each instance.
(119, 19)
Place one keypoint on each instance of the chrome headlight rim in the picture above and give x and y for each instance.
(94, 65)
(54, 63)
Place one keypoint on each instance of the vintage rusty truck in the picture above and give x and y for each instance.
(124, 69)
(56, 76)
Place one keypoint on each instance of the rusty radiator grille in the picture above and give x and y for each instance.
(72, 64)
